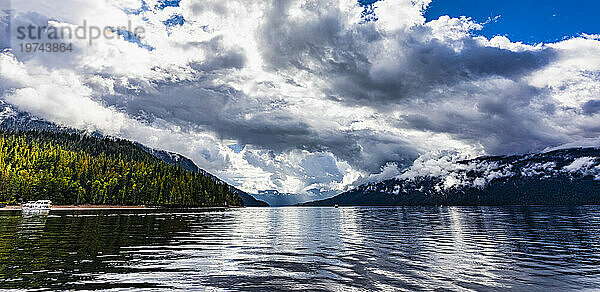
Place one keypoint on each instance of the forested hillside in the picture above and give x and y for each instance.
(561, 177)
(70, 168)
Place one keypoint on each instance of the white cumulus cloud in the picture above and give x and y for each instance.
(320, 98)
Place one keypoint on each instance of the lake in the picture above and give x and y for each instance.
(327, 249)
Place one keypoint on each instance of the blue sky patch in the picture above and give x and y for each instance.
(528, 21)
(143, 8)
(132, 38)
(368, 13)
(237, 148)
(366, 2)
(175, 20)
(167, 3)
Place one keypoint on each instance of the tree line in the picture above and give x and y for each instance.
(71, 168)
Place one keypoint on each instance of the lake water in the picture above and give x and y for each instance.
(329, 249)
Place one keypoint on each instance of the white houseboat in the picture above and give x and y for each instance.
(41, 205)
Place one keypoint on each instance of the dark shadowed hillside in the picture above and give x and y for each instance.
(70, 168)
(13, 120)
(562, 177)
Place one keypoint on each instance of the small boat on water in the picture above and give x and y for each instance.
(36, 206)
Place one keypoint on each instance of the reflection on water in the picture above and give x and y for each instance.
(334, 249)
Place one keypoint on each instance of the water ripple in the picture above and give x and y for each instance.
(315, 249)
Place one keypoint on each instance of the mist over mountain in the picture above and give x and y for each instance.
(296, 95)
(276, 199)
(560, 177)
(14, 120)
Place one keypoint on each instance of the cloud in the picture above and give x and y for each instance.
(591, 107)
(322, 98)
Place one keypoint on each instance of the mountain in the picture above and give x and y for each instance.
(276, 199)
(189, 165)
(70, 168)
(11, 119)
(561, 177)
(14, 120)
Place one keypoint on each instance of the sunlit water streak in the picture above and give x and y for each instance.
(331, 249)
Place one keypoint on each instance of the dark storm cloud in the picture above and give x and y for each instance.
(310, 90)
(423, 68)
(218, 57)
(591, 107)
(265, 123)
(504, 118)
(4, 25)
(417, 65)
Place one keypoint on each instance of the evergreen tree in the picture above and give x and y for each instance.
(78, 169)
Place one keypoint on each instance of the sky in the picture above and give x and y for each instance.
(527, 21)
(314, 97)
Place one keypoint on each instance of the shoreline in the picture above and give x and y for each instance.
(81, 207)
(112, 207)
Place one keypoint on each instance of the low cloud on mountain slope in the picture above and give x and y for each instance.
(298, 95)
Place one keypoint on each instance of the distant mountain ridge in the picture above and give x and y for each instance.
(12, 119)
(71, 168)
(561, 177)
(188, 164)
